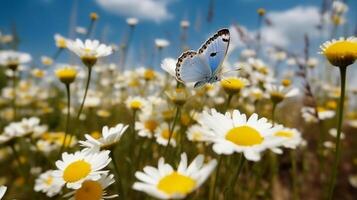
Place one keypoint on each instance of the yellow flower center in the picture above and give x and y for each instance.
(331, 105)
(96, 134)
(66, 75)
(341, 53)
(61, 43)
(232, 85)
(287, 134)
(176, 183)
(244, 136)
(150, 125)
(135, 104)
(90, 190)
(166, 134)
(321, 109)
(286, 82)
(277, 97)
(76, 171)
(149, 74)
(197, 136)
(49, 180)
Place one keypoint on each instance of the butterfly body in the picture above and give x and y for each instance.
(205, 65)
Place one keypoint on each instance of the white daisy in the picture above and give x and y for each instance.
(48, 184)
(169, 65)
(132, 21)
(110, 136)
(195, 134)
(91, 189)
(136, 103)
(147, 124)
(161, 43)
(61, 42)
(291, 138)
(166, 183)
(92, 49)
(333, 133)
(75, 168)
(162, 135)
(279, 92)
(2, 191)
(12, 58)
(235, 133)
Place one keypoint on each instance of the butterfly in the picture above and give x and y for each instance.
(205, 65)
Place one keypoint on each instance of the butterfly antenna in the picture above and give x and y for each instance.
(233, 70)
(226, 80)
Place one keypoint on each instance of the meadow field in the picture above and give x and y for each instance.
(173, 99)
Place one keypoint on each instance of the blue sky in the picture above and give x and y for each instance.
(38, 20)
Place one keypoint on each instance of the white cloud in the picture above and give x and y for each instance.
(153, 10)
(291, 25)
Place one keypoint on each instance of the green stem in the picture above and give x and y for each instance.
(294, 175)
(338, 138)
(273, 113)
(172, 129)
(14, 93)
(117, 175)
(67, 119)
(83, 100)
(17, 159)
(234, 179)
(230, 96)
(214, 182)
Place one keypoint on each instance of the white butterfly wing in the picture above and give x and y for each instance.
(191, 68)
(214, 50)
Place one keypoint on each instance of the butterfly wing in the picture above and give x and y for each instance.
(214, 50)
(191, 68)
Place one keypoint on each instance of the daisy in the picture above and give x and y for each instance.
(196, 134)
(233, 85)
(136, 103)
(184, 24)
(61, 42)
(147, 124)
(169, 65)
(66, 74)
(12, 59)
(165, 182)
(132, 21)
(2, 191)
(47, 183)
(333, 133)
(75, 168)
(341, 52)
(110, 136)
(89, 51)
(163, 134)
(91, 189)
(278, 92)
(161, 43)
(291, 138)
(235, 133)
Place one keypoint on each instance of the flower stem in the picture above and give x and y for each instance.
(273, 113)
(212, 192)
(14, 93)
(230, 96)
(83, 100)
(338, 138)
(117, 175)
(67, 119)
(235, 177)
(293, 175)
(178, 109)
(17, 158)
